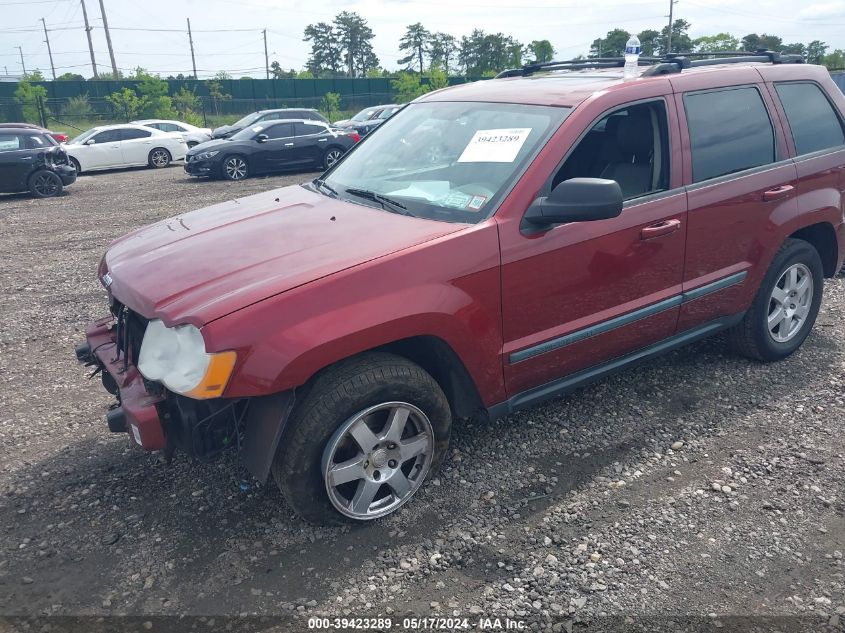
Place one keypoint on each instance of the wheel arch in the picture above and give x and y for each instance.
(822, 237)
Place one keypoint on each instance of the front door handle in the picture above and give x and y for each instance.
(661, 228)
(322, 140)
(777, 193)
(288, 144)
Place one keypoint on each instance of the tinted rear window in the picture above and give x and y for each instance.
(730, 131)
(814, 123)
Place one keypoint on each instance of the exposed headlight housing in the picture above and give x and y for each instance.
(176, 358)
(206, 155)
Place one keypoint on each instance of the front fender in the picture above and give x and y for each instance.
(448, 288)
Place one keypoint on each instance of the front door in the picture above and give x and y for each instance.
(276, 152)
(102, 151)
(582, 293)
(15, 162)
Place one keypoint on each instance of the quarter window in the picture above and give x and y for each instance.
(814, 123)
(730, 131)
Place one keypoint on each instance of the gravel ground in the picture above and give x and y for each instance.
(702, 490)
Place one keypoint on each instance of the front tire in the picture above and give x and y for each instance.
(363, 439)
(235, 168)
(76, 165)
(159, 158)
(786, 305)
(45, 184)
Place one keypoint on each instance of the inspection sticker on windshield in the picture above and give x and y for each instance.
(495, 146)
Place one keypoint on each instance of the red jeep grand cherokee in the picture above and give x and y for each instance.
(492, 245)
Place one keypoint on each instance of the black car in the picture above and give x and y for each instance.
(270, 147)
(370, 118)
(263, 116)
(31, 160)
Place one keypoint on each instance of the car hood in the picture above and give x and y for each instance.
(202, 265)
(217, 143)
(225, 129)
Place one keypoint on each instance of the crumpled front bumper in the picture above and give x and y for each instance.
(138, 410)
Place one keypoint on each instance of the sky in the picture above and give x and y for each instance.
(227, 33)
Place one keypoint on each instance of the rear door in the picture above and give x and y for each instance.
(135, 145)
(310, 142)
(741, 187)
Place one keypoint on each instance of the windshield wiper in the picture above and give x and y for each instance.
(386, 203)
(321, 184)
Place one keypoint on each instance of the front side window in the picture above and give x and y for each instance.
(37, 141)
(629, 145)
(109, 136)
(730, 131)
(280, 130)
(447, 161)
(814, 123)
(9, 142)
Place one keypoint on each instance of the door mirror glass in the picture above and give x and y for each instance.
(261, 138)
(577, 200)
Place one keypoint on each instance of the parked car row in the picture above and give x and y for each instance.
(262, 142)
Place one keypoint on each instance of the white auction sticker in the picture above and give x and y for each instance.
(495, 146)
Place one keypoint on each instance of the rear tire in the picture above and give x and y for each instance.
(332, 155)
(786, 306)
(45, 184)
(234, 168)
(327, 429)
(159, 158)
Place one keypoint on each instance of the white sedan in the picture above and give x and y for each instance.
(113, 146)
(192, 134)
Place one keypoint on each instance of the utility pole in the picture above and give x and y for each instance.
(108, 39)
(191, 41)
(90, 44)
(669, 38)
(49, 52)
(266, 56)
(20, 50)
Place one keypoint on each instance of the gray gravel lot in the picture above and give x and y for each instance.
(699, 486)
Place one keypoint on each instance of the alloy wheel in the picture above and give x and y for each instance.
(160, 158)
(377, 460)
(235, 168)
(790, 303)
(45, 185)
(332, 156)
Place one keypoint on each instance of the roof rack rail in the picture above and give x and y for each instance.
(671, 63)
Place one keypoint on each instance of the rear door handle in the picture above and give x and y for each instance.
(288, 144)
(777, 193)
(661, 228)
(322, 140)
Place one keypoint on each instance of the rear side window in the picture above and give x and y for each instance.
(814, 123)
(130, 134)
(306, 129)
(730, 131)
(36, 141)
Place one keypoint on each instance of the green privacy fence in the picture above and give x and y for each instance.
(243, 96)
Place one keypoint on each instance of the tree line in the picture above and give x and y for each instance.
(657, 43)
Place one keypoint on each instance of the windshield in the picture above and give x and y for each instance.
(249, 118)
(247, 133)
(363, 115)
(447, 161)
(84, 136)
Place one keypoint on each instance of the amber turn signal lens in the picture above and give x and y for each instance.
(216, 377)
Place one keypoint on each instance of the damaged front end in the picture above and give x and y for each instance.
(157, 418)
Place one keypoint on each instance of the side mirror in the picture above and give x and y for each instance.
(261, 138)
(90, 141)
(577, 200)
